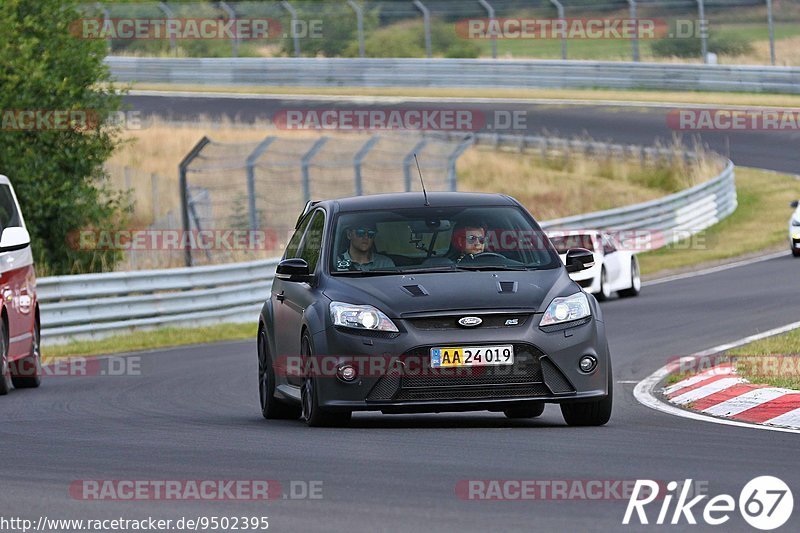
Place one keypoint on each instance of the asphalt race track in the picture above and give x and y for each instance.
(773, 150)
(193, 413)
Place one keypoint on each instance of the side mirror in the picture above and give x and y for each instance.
(293, 270)
(794, 204)
(579, 259)
(14, 238)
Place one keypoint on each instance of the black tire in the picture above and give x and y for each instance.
(530, 410)
(594, 413)
(5, 371)
(313, 414)
(26, 373)
(601, 296)
(271, 407)
(636, 281)
(795, 252)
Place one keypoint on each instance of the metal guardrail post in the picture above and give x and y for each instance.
(703, 29)
(563, 17)
(407, 160)
(305, 162)
(360, 23)
(635, 39)
(357, 160)
(452, 181)
(771, 23)
(490, 11)
(251, 179)
(170, 15)
(232, 16)
(293, 13)
(426, 19)
(182, 169)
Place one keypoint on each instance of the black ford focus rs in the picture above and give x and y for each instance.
(403, 303)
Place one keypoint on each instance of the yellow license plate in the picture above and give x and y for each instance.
(455, 356)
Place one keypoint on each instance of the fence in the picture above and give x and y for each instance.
(96, 305)
(288, 72)
(263, 185)
(428, 28)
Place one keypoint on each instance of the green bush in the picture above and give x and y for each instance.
(407, 39)
(58, 173)
(726, 43)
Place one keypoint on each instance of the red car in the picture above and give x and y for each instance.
(20, 356)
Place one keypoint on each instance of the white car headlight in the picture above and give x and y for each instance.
(566, 309)
(360, 317)
(795, 222)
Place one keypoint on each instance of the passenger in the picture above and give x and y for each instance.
(361, 254)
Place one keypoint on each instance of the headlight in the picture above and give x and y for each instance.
(795, 222)
(360, 317)
(566, 309)
(796, 235)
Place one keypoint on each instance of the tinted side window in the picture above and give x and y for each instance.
(9, 217)
(608, 246)
(294, 243)
(312, 242)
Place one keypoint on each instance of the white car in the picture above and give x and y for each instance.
(794, 230)
(615, 269)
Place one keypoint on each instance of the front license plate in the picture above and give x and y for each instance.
(455, 356)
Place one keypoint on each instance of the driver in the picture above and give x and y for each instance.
(469, 240)
(361, 254)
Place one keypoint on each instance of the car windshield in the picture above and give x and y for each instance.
(432, 239)
(563, 243)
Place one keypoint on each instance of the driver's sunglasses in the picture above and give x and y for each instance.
(472, 239)
(363, 232)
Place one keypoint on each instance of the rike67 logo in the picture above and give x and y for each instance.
(765, 503)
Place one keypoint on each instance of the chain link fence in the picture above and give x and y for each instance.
(737, 31)
(261, 187)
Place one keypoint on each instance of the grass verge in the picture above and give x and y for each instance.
(772, 361)
(622, 96)
(157, 338)
(758, 224)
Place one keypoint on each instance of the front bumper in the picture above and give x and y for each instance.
(546, 368)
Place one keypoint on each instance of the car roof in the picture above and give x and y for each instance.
(416, 199)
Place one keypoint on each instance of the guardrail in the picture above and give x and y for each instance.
(97, 305)
(445, 72)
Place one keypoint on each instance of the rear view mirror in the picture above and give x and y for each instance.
(794, 204)
(14, 238)
(295, 269)
(579, 259)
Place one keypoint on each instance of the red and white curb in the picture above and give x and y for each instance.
(720, 392)
(720, 396)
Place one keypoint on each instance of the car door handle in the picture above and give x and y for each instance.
(280, 297)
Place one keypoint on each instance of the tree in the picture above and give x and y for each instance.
(58, 171)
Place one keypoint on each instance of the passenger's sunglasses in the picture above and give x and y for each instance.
(363, 232)
(472, 239)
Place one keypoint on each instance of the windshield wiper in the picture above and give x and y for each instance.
(422, 270)
(364, 272)
(492, 267)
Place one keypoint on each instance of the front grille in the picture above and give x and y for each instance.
(554, 378)
(451, 321)
(477, 393)
(421, 382)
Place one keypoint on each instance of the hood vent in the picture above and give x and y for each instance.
(415, 290)
(507, 286)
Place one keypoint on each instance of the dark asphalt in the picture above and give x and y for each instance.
(773, 150)
(193, 414)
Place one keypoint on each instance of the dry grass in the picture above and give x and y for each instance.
(787, 53)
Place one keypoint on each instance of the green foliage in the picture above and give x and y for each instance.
(407, 39)
(58, 174)
(724, 43)
(337, 24)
